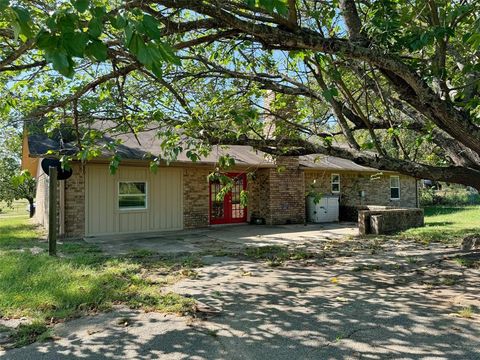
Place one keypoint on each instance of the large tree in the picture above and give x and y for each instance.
(15, 184)
(388, 84)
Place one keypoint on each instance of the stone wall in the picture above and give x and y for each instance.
(388, 220)
(196, 200)
(375, 187)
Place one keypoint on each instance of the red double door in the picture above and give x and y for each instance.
(228, 210)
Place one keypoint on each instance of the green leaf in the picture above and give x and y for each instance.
(81, 5)
(139, 48)
(330, 93)
(118, 22)
(150, 25)
(98, 12)
(95, 27)
(226, 162)
(45, 40)
(60, 61)
(75, 43)
(168, 53)
(157, 70)
(193, 156)
(135, 43)
(474, 41)
(129, 31)
(4, 4)
(97, 50)
(21, 14)
(114, 164)
(67, 22)
(279, 6)
(22, 22)
(154, 166)
(368, 145)
(52, 22)
(244, 198)
(327, 141)
(143, 55)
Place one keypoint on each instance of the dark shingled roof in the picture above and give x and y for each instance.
(316, 161)
(39, 145)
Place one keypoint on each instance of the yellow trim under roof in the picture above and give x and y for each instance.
(28, 163)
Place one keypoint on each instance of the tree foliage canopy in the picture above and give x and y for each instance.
(389, 84)
(14, 184)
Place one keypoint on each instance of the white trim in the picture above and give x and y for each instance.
(125, 209)
(332, 183)
(394, 187)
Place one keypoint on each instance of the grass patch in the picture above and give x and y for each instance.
(17, 232)
(447, 280)
(28, 334)
(446, 224)
(467, 262)
(466, 312)
(80, 280)
(370, 267)
(277, 255)
(17, 208)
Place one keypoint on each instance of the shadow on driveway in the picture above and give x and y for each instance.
(224, 237)
(330, 311)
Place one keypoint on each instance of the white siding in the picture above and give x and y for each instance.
(164, 200)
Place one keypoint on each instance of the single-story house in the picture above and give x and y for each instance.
(178, 196)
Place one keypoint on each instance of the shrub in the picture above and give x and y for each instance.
(449, 197)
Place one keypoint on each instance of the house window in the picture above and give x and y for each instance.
(394, 187)
(335, 183)
(132, 195)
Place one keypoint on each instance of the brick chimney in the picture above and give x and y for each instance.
(269, 119)
(283, 187)
(280, 111)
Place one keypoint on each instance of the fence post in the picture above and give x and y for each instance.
(52, 211)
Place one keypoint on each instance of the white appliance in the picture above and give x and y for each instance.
(324, 211)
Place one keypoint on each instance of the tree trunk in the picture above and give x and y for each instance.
(32, 207)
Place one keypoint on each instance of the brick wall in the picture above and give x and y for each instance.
(75, 203)
(275, 194)
(196, 201)
(278, 194)
(376, 188)
(258, 194)
(287, 192)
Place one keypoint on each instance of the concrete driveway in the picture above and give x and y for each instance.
(369, 300)
(225, 237)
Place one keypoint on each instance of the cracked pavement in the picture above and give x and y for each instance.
(360, 300)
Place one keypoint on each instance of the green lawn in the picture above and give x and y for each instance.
(447, 224)
(18, 208)
(80, 280)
